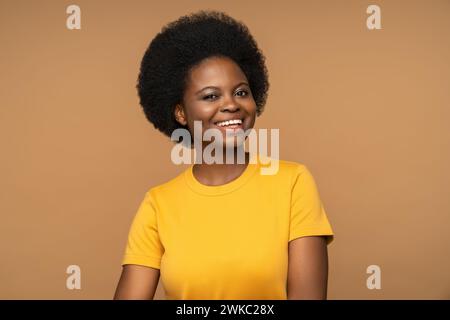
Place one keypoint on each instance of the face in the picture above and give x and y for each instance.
(217, 90)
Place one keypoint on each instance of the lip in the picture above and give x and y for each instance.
(232, 127)
(242, 120)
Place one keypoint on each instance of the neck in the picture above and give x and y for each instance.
(221, 173)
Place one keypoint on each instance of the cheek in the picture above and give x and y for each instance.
(251, 105)
(252, 109)
(204, 113)
(204, 117)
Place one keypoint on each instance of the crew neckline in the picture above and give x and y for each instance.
(228, 187)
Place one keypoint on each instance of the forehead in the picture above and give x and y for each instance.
(215, 71)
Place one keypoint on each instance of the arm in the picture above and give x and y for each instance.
(137, 283)
(308, 268)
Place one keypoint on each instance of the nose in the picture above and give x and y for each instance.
(230, 105)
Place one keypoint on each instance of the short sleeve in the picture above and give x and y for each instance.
(144, 246)
(308, 216)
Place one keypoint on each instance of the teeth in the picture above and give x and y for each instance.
(227, 123)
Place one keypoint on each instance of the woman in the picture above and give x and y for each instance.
(220, 230)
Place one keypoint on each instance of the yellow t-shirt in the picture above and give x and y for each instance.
(228, 241)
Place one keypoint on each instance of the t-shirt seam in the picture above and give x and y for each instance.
(309, 226)
(129, 255)
(186, 178)
(311, 232)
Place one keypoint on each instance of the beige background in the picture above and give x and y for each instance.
(366, 111)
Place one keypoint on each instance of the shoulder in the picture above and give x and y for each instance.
(283, 168)
(173, 185)
(292, 166)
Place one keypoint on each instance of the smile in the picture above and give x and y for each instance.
(235, 123)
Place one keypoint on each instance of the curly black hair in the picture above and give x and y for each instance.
(183, 44)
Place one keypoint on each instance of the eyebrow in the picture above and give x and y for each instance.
(213, 87)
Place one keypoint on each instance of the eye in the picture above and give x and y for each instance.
(244, 91)
(208, 97)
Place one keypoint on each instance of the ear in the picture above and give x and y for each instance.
(179, 115)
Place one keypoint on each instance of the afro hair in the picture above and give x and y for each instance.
(183, 44)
